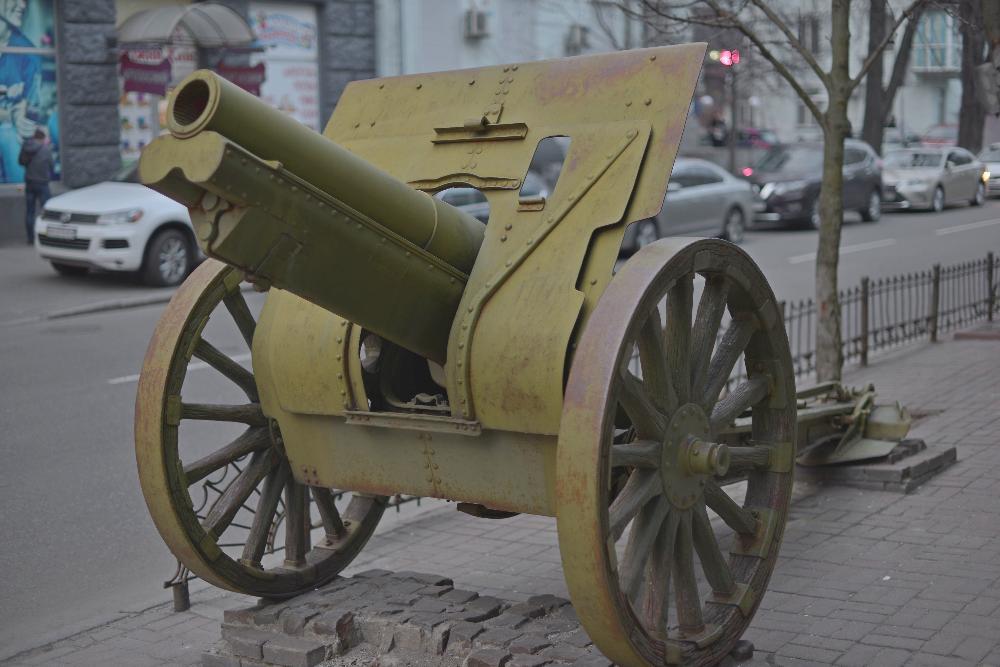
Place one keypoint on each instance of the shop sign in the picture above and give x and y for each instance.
(248, 78)
(145, 72)
(27, 82)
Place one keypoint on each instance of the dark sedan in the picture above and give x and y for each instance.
(789, 178)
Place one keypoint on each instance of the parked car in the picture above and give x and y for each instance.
(473, 201)
(702, 199)
(991, 158)
(118, 225)
(932, 178)
(940, 135)
(789, 178)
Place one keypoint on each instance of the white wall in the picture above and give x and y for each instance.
(428, 35)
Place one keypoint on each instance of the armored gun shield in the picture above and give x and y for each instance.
(405, 348)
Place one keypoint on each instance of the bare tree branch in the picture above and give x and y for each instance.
(779, 66)
(793, 41)
(873, 56)
(602, 22)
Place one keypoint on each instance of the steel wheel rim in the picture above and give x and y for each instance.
(586, 451)
(172, 260)
(164, 478)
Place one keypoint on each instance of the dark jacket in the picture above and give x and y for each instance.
(36, 158)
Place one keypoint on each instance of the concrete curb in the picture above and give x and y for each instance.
(103, 306)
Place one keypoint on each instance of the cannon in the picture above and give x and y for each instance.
(405, 347)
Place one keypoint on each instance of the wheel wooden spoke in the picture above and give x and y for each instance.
(656, 604)
(678, 337)
(641, 487)
(689, 616)
(648, 421)
(740, 399)
(297, 526)
(713, 563)
(639, 548)
(225, 365)
(229, 503)
(251, 440)
(249, 413)
(736, 517)
(640, 454)
(711, 308)
(267, 508)
(733, 342)
(744, 459)
(237, 306)
(653, 358)
(327, 507)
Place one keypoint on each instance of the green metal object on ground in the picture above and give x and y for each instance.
(405, 348)
(863, 430)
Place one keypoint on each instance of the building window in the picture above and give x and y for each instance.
(938, 44)
(27, 82)
(809, 32)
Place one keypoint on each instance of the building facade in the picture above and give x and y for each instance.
(431, 35)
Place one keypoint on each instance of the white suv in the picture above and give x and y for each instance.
(118, 225)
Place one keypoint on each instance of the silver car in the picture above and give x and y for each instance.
(702, 200)
(473, 201)
(991, 157)
(931, 178)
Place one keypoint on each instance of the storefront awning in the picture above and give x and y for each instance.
(206, 25)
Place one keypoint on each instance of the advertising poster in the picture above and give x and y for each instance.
(287, 32)
(27, 81)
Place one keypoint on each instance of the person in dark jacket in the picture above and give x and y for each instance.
(36, 158)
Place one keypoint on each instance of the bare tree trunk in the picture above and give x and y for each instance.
(872, 129)
(971, 114)
(829, 355)
(901, 64)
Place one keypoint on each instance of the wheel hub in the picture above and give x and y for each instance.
(687, 458)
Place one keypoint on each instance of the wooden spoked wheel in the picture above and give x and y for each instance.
(642, 455)
(225, 538)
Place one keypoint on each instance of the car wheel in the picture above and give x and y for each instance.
(814, 217)
(874, 210)
(69, 269)
(937, 201)
(645, 233)
(734, 227)
(168, 259)
(980, 195)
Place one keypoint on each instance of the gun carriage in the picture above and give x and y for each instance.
(404, 347)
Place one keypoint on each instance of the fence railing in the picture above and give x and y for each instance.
(886, 313)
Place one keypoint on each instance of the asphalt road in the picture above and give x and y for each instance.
(78, 545)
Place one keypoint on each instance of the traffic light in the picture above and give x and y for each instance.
(729, 58)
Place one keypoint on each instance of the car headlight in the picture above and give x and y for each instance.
(120, 217)
(785, 188)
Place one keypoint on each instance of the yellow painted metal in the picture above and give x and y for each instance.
(299, 360)
(297, 211)
(624, 114)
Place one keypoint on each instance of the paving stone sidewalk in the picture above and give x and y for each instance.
(864, 577)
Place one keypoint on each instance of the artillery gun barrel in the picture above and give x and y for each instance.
(301, 213)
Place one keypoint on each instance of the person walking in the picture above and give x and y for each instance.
(36, 158)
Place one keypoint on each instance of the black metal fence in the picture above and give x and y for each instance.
(886, 313)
